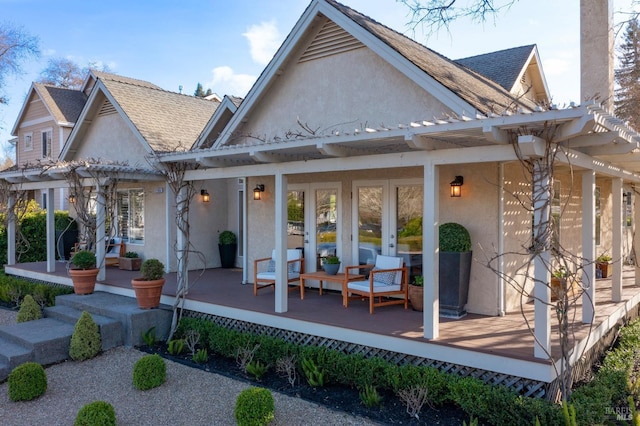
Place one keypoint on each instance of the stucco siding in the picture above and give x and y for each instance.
(109, 137)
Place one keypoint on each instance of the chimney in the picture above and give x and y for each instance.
(596, 51)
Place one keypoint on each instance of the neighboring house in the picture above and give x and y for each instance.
(361, 129)
(43, 126)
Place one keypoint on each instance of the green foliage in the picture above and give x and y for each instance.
(418, 280)
(29, 310)
(603, 258)
(254, 407)
(176, 346)
(227, 237)
(152, 269)
(149, 372)
(97, 413)
(131, 255)
(27, 381)
(85, 340)
(257, 369)
(149, 336)
(370, 397)
(331, 260)
(64, 222)
(12, 287)
(454, 237)
(569, 414)
(84, 259)
(201, 356)
(314, 375)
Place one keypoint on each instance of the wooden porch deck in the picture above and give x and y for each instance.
(506, 337)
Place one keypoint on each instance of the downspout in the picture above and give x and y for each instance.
(501, 287)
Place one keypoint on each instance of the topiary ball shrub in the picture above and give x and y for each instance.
(29, 310)
(150, 371)
(85, 340)
(454, 238)
(254, 407)
(27, 381)
(97, 413)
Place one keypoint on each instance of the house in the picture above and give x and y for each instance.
(359, 131)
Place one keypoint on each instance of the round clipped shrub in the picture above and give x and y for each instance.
(150, 371)
(454, 238)
(96, 413)
(85, 340)
(254, 407)
(27, 381)
(29, 310)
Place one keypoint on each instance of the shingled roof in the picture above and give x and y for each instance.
(168, 121)
(503, 67)
(485, 95)
(64, 104)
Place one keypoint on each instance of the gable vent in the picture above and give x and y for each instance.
(106, 108)
(331, 40)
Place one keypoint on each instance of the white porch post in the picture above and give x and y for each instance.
(51, 232)
(11, 230)
(100, 232)
(588, 245)
(541, 273)
(616, 245)
(182, 207)
(281, 242)
(430, 267)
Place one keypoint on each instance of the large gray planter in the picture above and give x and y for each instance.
(455, 269)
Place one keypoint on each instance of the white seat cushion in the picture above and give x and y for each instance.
(378, 287)
(272, 276)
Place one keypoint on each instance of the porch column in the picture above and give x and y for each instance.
(616, 245)
(588, 245)
(182, 210)
(281, 242)
(51, 232)
(431, 312)
(100, 232)
(541, 274)
(11, 230)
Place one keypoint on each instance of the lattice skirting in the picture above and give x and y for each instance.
(522, 386)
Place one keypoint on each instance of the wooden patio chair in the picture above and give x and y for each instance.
(114, 251)
(267, 278)
(388, 279)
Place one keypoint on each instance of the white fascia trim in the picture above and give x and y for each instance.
(578, 159)
(539, 64)
(23, 109)
(35, 121)
(225, 105)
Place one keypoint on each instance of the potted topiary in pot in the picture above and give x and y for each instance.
(603, 264)
(85, 273)
(331, 264)
(227, 245)
(148, 287)
(455, 269)
(131, 261)
(416, 293)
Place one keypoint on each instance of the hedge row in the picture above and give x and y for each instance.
(13, 290)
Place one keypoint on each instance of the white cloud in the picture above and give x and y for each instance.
(226, 82)
(264, 40)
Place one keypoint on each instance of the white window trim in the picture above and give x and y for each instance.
(49, 153)
(28, 147)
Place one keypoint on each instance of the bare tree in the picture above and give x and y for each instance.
(62, 72)
(16, 46)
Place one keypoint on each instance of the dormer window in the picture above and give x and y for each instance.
(46, 143)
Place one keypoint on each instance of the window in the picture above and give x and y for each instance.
(44, 201)
(555, 216)
(28, 141)
(46, 143)
(131, 215)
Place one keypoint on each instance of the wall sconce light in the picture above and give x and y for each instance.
(456, 186)
(205, 196)
(257, 190)
(72, 199)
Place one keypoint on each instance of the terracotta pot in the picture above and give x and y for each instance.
(416, 297)
(148, 292)
(84, 280)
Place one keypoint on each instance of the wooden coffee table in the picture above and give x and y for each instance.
(322, 276)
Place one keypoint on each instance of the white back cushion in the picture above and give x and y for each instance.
(390, 262)
(292, 254)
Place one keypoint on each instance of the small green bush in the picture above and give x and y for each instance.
(27, 381)
(149, 372)
(201, 356)
(84, 259)
(97, 413)
(29, 310)
(176, 346)
(85, 340)
(254, 407)
(152, 269)
(370, 397)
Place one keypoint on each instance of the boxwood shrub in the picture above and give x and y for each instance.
(96, 413)
(27, 381)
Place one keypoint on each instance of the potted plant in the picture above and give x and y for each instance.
(148, 287)
(416, 293)
(85, 273)
(227, 245)
(603, 264)
(559, 282)
(455, 269)
(331, 264)
(131, 261)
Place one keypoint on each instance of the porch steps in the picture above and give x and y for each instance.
(46, 341)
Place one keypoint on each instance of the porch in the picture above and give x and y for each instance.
(500, 346)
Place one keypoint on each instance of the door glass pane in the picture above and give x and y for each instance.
(409, 223)
(369, 224)
(326, 222)
(295, 219)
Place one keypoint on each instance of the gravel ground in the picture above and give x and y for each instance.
(188, 397)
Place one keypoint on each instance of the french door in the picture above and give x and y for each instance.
(387, 219)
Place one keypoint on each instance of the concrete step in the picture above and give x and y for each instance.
(48, 339)
(110, 329)
(11, 356)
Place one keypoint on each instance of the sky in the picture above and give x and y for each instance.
(226, 44)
